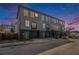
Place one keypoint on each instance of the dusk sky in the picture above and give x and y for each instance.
(66, 12)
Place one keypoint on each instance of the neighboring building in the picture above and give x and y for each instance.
(74, 34)
(34, 24)
(5, 28)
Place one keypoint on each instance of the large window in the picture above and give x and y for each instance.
(54, 20)
(46, 18)
(55, 27)
(34, 25)
(25, 12)
(49, 19)
(31, 14)
(42, 17)
(61, 22)
(27, 23)
(44, 26)
(36, 14)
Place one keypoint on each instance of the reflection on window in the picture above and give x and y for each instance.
(27, 24)
(61, 22)
(34, 25)
(36, 14)
(54, 20)
(43, 25)
(42, 17)
(25, 12)
(55, 27)
(49, 20)
(46, 18)
(31, 13)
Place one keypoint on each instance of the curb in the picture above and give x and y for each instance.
(13, 44)
(22, 43)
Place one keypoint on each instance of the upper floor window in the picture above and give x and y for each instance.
(42, 17)
(61, 22)
(55, 27)
(34, 25)
(25, 12)
(54, 20)
(46, 18)
(49, 19)
(36, 14)
(31, 13)
(27, 23)
(44, 25)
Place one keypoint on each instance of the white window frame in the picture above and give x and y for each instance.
(32, 25)
(36, 14)
(44, 25)
(27, 23)
(42, 17)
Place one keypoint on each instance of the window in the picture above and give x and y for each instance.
(55, 27)
(43, 25)
(27, 24)
(63, 28)
(53, 20)
(46, 18)
(31, 13)
(56, 21)
(34, 25)
(60, 22)
(63, 23)
(42, 17)
(36, 14)
(25, 12)
(49, 19)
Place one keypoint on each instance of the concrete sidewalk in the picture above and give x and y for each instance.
(67, 49)
(33, 41)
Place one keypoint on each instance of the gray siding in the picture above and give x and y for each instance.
(39, 21)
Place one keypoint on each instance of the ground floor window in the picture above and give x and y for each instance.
(34, 34)
(30, 34)
(25, 34)
(42, 34)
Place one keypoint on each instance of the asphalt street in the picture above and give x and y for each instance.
(32, 49)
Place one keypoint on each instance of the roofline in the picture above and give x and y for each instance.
(37, 12)
(18, 12)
